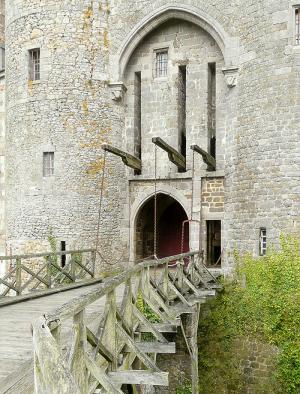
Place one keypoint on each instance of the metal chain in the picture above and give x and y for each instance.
(155, 204)
(193, 176)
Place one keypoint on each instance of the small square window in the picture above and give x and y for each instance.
(48, 164)
(297, 26)
(35, 64)
(262, 242)
(161, 63)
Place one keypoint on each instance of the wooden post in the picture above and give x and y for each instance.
(93, 257)
(48, 258)
(73, 267)
(79, 348)
(18, 276)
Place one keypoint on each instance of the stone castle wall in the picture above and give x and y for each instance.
(85, 46)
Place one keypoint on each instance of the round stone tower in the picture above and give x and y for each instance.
(59, 112)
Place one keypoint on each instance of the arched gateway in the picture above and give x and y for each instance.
(170, 217)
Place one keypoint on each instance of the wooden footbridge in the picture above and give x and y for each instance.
(62, 330)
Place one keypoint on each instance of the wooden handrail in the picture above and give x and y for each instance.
(45, 254)
(24, 278)
(93, 356)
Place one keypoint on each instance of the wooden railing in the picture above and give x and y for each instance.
(26, 273)
(102, 355)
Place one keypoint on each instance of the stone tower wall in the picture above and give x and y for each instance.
(71, 112)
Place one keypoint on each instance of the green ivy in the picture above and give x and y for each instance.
(262, 302)
(185, 389)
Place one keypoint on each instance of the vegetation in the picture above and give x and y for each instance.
(261, 303)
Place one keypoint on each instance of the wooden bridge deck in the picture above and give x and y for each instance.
(16, 352)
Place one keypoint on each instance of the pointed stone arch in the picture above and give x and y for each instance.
(228, 45)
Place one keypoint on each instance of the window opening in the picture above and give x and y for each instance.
(34, 64)
(63, 258)
(161, 66)
(182, 110)
(48, 164)
(263, 242)
(297, 25)
(138, 117)
(214, 252)
(211, 109)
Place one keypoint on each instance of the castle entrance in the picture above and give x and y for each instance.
(170, 216)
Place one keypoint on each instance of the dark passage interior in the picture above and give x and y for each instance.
(170, 216)
(214, 242)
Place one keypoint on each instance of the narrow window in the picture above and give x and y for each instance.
(63, 256)
(182, 110)
(138, 117)
(297, 25)
(34, 64)
(211, 109)
(48, 164)
(262, 242)
(214, 252)
(161, 63)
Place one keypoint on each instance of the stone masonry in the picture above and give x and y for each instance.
(93, 56)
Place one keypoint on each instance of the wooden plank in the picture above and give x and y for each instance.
(154, 347)
(128, 159)
(140, 377)
(150, 326)
(78, 350)
(26, 284)
(174, 156)
(101, 376)
(146, 360)
(34, 276)
(45, 293)
(92, 339)
(160, 327)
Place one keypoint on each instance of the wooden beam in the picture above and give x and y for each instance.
(207, 158)
(174, 156)
(154, 347)
(140, 377)
(161, 327)
(128, 159)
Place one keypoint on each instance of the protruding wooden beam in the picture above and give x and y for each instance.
(207, 158)
(128, 159)
(174, 156)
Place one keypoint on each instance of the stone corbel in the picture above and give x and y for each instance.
(231, 76)
(118, 89)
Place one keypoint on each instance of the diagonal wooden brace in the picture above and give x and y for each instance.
(128, 159)
(207, 158)
(174, 156)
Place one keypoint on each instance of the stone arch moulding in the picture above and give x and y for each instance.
(228, 45)
(139, 203)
